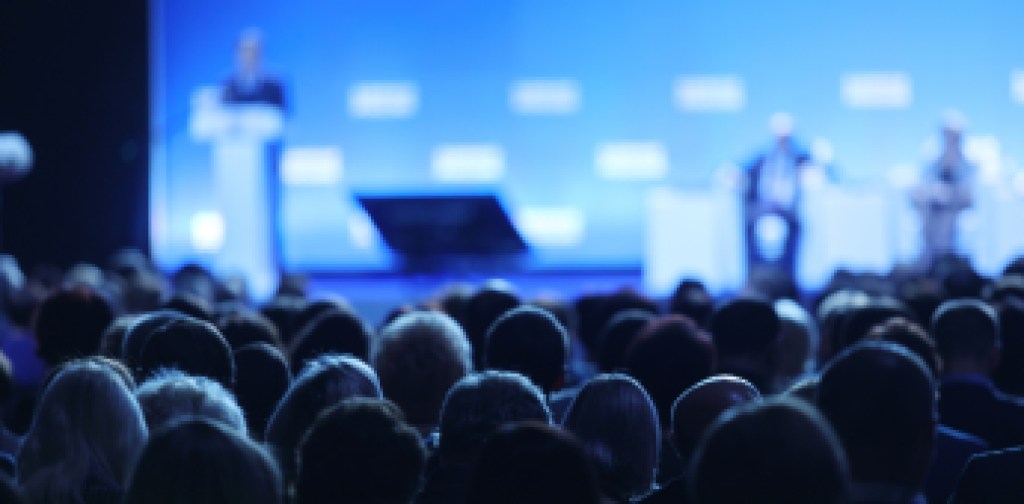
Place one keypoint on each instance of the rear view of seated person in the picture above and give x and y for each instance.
(418, 357)
(967, 335)
(473, 410)
(746, 332)
(262, 377)
(536, 463)
(531, 341)
(336, 332)
(192, 346)
(880, 399)
(779, 451)
(69, 324)
(617, 423)
(87, 432)
(324, 382)
(199, 461)
(170, 395)
(694, 411)
(360, 452)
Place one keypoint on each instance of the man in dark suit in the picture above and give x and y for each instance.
(771, 196)
(967, 336)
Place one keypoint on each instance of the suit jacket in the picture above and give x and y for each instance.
(952, 451)
(973, 404)
(265, 90)
(992, 477)
(752, 193)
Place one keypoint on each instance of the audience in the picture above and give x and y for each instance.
(190, 345)
(480, 312)
(780, 451)
(171, 395)
(745, 332)
(336, 332)
(617, 423)
(70, 324)
(360, 452)
(530, 341)
(199, 461)
(262, 377)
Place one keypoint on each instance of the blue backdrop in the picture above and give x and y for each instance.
(870, 77)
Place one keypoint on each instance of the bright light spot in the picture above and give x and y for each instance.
(472, 163)
(771, 233)
(551, 226)
(710, 93)
(545, 97)
(984, 150)
(311, 166)
(360, 230)
(822, 151)
(383, 100)
(903, 176)
(207, 231)
(631, 160)
(876, 90)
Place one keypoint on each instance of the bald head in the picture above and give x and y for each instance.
(699, 406)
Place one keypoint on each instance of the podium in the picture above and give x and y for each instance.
(245, 141)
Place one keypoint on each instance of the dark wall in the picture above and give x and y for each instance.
(74, 80)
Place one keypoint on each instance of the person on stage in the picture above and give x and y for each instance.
(945, 191)
(771, 196)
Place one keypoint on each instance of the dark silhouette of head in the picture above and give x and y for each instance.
(189, 345)
(112, 339)
(1009, 376)
(483, 308)
(745, 331)
(595, 312)
(912, 337)
(337, 332)
(528, 340)
(283, 311)
(199, 461)
(480, 403)
(533, 462)
(311, 311)
(262, 377)
(859, 321)
(668, 356)
(418, 357)
(616, 338)
(966, 333)
(692, 299)
(881, 401)
(360, 451)
(243, 328)
(190, 305)
(778, 451)
(616, 421)
(69, 324)
(138, 332)
(322, 383)
(700, 405)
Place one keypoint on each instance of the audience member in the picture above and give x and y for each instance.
(528, 340)
(418, 357)
(87, 431)
(199, 461)
(691, 299)
(361, 452)
(262, 377)
(880, 399)
(992, 477)
(335, 332)
(138, 332)
(190, 305)
(798, 344)
(618, 425)
(475, 407)
(246, 327)
(190, 345)
(536, 463)
(780, 451)
(745, 332)
(481, 310)
(967, 336)
(617, 336)
(1009, 373)
(69, 324)
(171, 395)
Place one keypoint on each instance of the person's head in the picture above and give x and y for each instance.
(966, 333)
(138, 332)
(692, 299)
(617, 423)
(700, 405)
(617, 336)
(480, 403)
(250, 50)
(528, 340)
(283, 312)
(190, 305)
(336, 332)
(199, 461)
(1009, 377)
(596, 310)
(745, 327)
(170, 395)
(881, 401)
(418, 357)
(858, 321)
(668, 356)
(360, 451)
(262, 377)
(69, 324)
(798, 341)
(322, 383)
(533, 462)
(913, 337)
(480, 312)
(87, 427)
(780, 450)
(243, 328)
(781, 125)
(113, 336)
(192, 346)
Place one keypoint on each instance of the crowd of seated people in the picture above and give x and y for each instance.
(123, 385)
